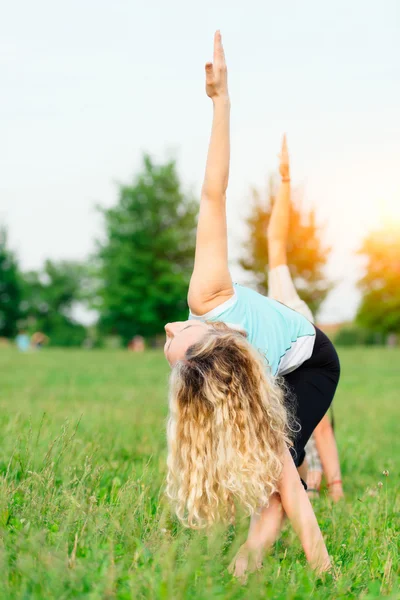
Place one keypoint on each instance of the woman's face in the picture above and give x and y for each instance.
(181, 335)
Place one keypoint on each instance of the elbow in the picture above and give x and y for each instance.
(215, 185)
(214, 194)
(276, 254)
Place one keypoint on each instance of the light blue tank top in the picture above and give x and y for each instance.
(283, 336)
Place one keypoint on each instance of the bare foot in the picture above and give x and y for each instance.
(246, 561)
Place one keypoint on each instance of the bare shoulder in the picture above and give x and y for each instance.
(201, 305)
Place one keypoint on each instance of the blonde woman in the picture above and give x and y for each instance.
(229, 430)
(321, 447)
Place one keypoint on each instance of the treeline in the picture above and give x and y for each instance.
(138, 276)
(40, 300)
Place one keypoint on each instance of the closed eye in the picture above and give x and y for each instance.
(187, 327)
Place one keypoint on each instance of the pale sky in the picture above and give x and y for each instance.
(88, 86)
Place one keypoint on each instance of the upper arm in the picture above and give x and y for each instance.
(211, 279)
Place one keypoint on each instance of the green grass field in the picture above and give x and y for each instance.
(82, 466)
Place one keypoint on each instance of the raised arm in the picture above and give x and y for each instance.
(211, 282)
(278, 228)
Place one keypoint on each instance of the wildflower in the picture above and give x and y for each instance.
(380, 484)
(385, 473)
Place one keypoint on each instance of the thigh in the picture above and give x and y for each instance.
(311, 391)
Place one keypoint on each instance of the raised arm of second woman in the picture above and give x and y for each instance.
(211, 282)
(278, 228)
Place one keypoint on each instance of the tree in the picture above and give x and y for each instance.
(147, 257)
(48, 298)
(380, 306)
(306, 254)
(10, 289)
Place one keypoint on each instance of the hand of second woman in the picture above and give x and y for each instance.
(216, 72)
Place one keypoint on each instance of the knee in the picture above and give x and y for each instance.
(324, 427)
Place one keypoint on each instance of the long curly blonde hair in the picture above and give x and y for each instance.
(227, 430)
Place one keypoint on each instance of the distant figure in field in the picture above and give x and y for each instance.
(237, 363)
(22, 341)
(38, 340)
(322, 445)
(137, 344)
(392, 340)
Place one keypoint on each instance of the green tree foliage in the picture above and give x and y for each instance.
(380, 306)
(147, 256)
(10, 289)
(306, 253)
(49, 296)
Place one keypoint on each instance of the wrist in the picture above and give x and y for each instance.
(286, 179)
(334, 482)
(221, 100)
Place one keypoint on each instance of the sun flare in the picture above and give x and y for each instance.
(389, 212)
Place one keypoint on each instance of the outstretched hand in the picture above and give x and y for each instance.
(216, 72)
(284, 168)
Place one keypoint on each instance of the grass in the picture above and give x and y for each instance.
(82, 466)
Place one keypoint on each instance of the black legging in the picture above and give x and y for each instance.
(311, 390)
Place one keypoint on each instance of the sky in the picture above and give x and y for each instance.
(87, 87)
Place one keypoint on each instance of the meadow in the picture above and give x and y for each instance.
(82, 468)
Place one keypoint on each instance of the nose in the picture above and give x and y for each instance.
(172, 329)
(169, 329)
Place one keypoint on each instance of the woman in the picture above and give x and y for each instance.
(322, 445)
(229, 430)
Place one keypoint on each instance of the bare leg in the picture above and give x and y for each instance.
(328, 452)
